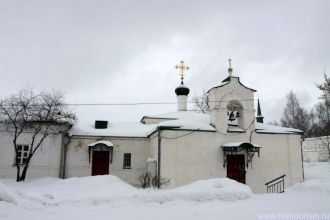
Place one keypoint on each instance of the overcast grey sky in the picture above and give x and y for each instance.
(125, 51)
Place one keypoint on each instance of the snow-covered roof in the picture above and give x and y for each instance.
(235, 129)
(227, 81)
(118, 129)
(107, 143)
(179, 120)
(194, 120)
(151, 160)
(265, 128)
(237, 144)
(185, 120)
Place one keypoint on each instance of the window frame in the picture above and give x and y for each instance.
(127, 161)
(23, 151)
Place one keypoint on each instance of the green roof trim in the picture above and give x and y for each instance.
(226, 80)
(260, 131)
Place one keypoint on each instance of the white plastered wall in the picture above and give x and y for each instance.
(45, 162)
(189, 158)
(280, 155)
(78, 163)
(199, 156)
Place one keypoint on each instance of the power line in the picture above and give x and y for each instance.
(130, 103)
(127, 103)
(147, 103)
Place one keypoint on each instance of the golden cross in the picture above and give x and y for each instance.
(182, 67)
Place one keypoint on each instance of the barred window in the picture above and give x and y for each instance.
(127, 161)
(22, 153)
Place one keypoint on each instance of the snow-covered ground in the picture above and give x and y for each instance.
(107, 197)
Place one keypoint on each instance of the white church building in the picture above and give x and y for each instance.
(181, 146)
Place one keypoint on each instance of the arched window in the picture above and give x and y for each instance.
(235, 113)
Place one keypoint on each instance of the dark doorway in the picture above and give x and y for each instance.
(100, 163)
(236, 168)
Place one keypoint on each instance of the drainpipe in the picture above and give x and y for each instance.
(159, 156)
(65, 142)
(61, 157)
(251, 135)
(302, 159)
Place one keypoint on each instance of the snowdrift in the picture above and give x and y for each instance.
(6, 194)
(213, 189)
(317, 179)
(109, 189)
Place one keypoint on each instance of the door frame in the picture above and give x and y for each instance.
(107, 158)
(241, 168)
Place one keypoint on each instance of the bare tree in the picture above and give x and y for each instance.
(324, 108)
(37, 115)
(147, 180)
(294, 115)
(325, 88)
(201, 103)
(323, 111)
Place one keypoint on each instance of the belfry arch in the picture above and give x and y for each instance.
(235, 113)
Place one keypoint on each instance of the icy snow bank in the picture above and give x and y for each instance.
(6, 194)
(223, 189)
(214, 189)
(109, 189)
(317, 178)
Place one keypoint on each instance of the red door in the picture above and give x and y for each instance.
(236, 168)
(100, 163)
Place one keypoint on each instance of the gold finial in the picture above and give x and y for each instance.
(182, 67)
(230, 68)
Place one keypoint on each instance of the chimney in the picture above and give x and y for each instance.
(101, 124)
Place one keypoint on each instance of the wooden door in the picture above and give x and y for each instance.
(100, 163)
(236, 168)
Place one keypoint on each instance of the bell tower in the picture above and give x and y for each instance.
(231, 104)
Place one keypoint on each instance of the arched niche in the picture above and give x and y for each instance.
(235, 114)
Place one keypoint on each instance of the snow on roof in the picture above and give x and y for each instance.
(237, 144)
(177, 120)
(316, 138)
(186, 120)
(224, 82)
(180, 120)
(107, 143)
(265, 128)
(118, 129)
(235, 129)
(150, 160)
(234, 144)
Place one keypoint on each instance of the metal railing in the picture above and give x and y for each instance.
(276, 185)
